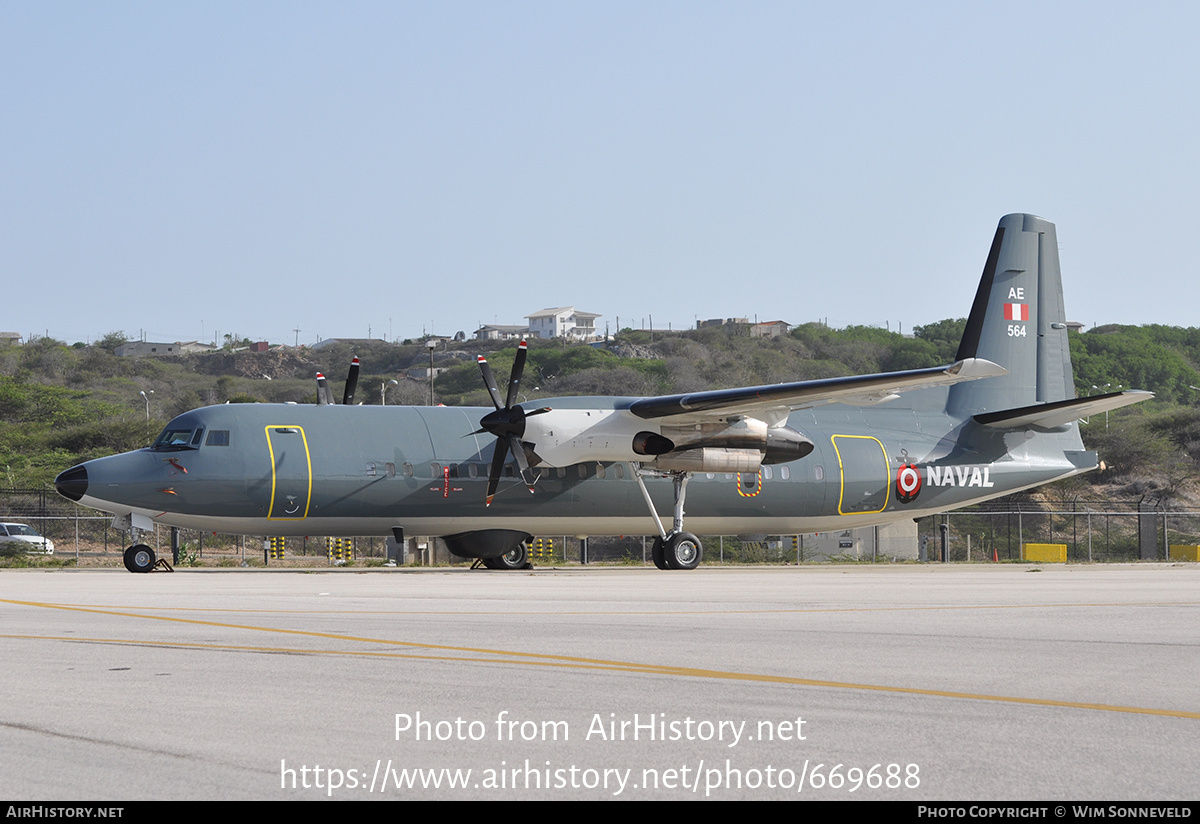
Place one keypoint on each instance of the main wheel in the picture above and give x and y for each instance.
(139, 558)
(658, 554)
(515, 558)
(682, 551)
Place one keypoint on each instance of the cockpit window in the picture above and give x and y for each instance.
(172, 439)
(196, 438)
(218, 437)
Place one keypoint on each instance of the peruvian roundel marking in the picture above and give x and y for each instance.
(908, 483)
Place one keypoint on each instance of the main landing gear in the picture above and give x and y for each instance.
(516, 558)
(675, 549)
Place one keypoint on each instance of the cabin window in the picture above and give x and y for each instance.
(766, 473)
(819, 472)
(600, 471)
(583, 471)
(407, 469)
(561, 471)
(391, 469)
(370, 467)
(784, 472)
(473, 470)
(218, 437)
(620, 470)
(435, 470)
(453, 470)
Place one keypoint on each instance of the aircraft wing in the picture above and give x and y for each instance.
(774, 401)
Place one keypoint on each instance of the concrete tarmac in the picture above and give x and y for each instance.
(967, 682)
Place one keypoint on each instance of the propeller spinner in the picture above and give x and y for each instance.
(507, 423)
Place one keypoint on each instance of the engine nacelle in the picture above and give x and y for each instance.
(649, 443)
(710, 459)
(778, 444)
(745, 433)
(568, 436)
(785, 444)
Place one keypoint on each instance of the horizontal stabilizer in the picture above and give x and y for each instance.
(1060, 413)
(859, 390)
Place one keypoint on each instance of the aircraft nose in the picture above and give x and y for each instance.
(73, 483)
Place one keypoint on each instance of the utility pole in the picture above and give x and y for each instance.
(432, 344)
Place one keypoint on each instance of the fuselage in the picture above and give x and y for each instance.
(286, 469)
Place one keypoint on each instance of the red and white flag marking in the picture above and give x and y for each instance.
(1016, 311)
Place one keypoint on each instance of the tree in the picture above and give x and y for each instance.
(111, 341)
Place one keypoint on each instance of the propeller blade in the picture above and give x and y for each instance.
(351, 383)
(489, 380)
(498, 456)
(514, 444)
(507, 423)
(514, 379)
(322, 391)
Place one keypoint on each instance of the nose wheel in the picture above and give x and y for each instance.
(139, 558)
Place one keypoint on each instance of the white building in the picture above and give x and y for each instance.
(501, 332)
(562, 322)
(142, 348)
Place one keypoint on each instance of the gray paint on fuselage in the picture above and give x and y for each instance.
(228, 488)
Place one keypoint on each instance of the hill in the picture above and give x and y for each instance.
(61, 404)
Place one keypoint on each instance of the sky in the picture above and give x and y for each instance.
(184, 171)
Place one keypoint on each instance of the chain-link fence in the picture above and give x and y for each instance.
(83, 533)
(635, 549)
(1107, 530)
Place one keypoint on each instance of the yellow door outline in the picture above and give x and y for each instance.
(271, 516)
(887, 486)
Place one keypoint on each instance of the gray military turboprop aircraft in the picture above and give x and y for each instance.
(789, 458)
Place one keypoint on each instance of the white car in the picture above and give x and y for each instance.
(20, 533)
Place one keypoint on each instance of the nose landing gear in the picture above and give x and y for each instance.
(139, 558)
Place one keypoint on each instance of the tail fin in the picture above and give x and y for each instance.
(1019, 322)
